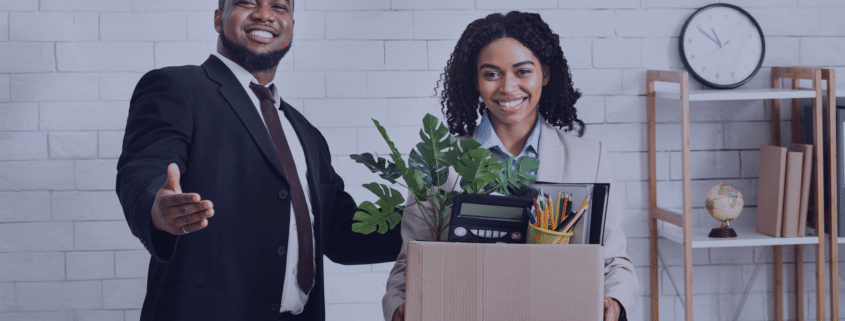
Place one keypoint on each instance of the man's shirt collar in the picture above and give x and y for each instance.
(245, 77)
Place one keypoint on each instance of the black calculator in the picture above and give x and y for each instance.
(489, 219)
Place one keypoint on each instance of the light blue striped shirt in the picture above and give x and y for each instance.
(488, 139)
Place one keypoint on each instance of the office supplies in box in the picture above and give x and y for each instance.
(590, 228)
(500, 219)
(492, 282)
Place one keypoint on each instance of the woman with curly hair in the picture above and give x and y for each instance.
(510, 70)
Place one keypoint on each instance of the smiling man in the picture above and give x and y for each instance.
(231, 189)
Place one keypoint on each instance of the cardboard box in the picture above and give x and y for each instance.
(489, 282)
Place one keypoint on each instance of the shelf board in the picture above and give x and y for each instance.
(745, 237)
(672, 91)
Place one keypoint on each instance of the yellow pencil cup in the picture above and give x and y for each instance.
(538, 235)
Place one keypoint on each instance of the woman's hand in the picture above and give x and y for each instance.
(611, 310)
(399, 314)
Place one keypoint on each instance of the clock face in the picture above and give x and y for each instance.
(722, 46)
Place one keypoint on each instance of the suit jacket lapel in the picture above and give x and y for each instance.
(238, 99)
(551, 155)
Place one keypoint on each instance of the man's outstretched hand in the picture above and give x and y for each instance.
(179, 213)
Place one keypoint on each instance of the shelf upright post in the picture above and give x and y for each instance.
(777, 251)
(685, 161)
(829, 75)
(652, 200)
(819, 165)
(799, 249)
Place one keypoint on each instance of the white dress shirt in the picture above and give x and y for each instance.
(293, 298)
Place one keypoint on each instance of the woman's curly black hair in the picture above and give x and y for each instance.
(460, 98)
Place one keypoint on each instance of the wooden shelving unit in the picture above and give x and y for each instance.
(674, 85)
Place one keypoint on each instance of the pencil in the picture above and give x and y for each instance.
(536, 213)
(577, 215)
(563, 211)
(556, 217)
(545, 218)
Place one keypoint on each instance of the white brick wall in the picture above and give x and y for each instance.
(68, 69)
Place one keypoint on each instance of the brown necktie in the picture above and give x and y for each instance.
(305, 277)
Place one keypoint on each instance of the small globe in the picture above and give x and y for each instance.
(724, 202)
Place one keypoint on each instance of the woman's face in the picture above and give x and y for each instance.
(510, 80)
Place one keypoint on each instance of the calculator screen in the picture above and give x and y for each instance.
(492, 211)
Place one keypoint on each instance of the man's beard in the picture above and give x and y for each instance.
(250, 60)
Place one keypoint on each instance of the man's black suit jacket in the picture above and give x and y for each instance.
(202, 119)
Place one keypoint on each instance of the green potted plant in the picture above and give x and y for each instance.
(426, 172)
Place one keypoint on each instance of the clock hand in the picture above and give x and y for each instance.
(717, 37)
(711, 38)
(710, 54)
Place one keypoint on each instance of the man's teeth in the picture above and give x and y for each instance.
(510, 103)
(261, 33)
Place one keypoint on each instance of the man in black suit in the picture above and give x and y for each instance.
(218, 177)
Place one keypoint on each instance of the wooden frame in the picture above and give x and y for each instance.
(683, 220)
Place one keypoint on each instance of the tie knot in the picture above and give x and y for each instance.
(262, 92)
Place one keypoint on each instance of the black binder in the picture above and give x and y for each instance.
(807, 138)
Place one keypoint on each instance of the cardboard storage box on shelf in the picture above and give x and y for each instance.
(490, 282)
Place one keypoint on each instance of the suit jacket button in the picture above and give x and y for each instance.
(275, 307)
(281, 250)
(283, 194)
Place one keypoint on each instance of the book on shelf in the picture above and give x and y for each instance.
(806, 175)
(770, 190)
(807, 137)
(792, 193)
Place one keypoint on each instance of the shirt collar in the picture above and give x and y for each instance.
(245, 77)
(488, 139)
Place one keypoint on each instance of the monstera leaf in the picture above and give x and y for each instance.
(477, 166)
(387, 170)
(373, 219)
(382, 218)
(512, 180)
(435, 143)
(412, 177)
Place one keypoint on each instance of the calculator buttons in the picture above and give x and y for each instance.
(488, 234)
(460, 231)
(474, 232)
(516, 236)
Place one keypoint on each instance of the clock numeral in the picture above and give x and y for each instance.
(689, 40)
(749, 36)
(692, 57)
(725, 17)
(717, 75)
(732, 75)
(702, 68)
(710, 17)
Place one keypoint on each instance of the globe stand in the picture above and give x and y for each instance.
(722, 232)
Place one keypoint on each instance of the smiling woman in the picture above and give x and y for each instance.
(510, 81)
(510, 71)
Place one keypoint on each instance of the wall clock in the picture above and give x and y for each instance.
(722, 46)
